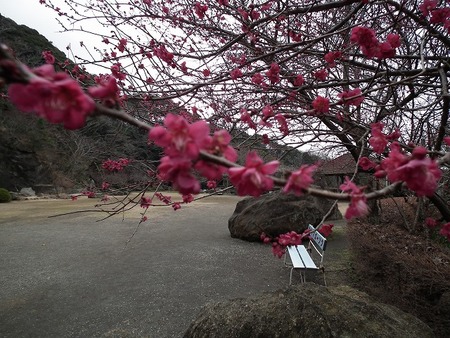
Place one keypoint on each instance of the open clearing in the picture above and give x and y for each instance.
(72, 276)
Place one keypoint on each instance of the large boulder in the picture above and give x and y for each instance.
(277, 213)
(307, 310)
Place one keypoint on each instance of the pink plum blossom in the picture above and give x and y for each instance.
(252, 179)
(300, 180)
(53, 96)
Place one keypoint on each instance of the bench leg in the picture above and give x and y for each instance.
(302, 276)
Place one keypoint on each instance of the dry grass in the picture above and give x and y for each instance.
(407, 270)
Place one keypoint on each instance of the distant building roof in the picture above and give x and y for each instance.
(342, 165)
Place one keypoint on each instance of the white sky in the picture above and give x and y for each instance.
(34, 15)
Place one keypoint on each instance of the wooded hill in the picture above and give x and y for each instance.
(34, 153)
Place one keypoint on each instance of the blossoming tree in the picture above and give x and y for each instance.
(370, 77)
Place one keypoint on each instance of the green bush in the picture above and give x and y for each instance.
(5, 196)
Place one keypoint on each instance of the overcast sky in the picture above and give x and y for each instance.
(36, 16)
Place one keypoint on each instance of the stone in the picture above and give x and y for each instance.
(277, 213)
(306, 310)
(28, 192)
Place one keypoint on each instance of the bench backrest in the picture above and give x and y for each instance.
(318, 238)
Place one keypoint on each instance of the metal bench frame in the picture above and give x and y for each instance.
(301, 257)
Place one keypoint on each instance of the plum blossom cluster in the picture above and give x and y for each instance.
(281, 242)
(182, 143)
(253, 179)
(379, 140)
(358, 201)
(433, 224)
(300, 180)
(440, 16)
(352, 97)
(107, 90)
(420, 173)
(370, 45)
(54, 96)
(112, 165)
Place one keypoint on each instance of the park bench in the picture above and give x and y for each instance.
(301, 257)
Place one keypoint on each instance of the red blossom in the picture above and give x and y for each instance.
(358, 202)
(163, 198)
(331, 58)
(235, 74)
(366, 39)
(105, 185)
(257, 78)
(122, 44)
(445, 231)
(290, 238)
(321, 75)
(431, 223)
(352, 97)
(164, 55)
(200, 10)
(118, 165)
(366, 164)
(107, 90)
(420, 173)
(117, 73)
(274, 73)
(395, 135)
(267, 111)
(217, 145)
(440, 15)
(53, 96)
(378, 140)
(326, 229)
(321, 105)
(243, 13)
(178, 170)
(370, 45)
(246, 118)
(283, 126)
(179, 138)
(447, 140)
(183, 67)
(427, 6)
(252, 179)
(211, 184)
(48, 57)
(176, 206)
(394, 40)
(278, 250)
(188, 198)
(300, 180)
(299, 80)
(296, 37)
(145, 202)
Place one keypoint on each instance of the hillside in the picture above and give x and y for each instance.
(34, 153)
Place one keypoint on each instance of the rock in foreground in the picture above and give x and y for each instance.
(277, 213)
(307, 310)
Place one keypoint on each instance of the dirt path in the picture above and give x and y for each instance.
(74, 277)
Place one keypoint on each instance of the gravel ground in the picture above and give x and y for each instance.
(72, 276)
